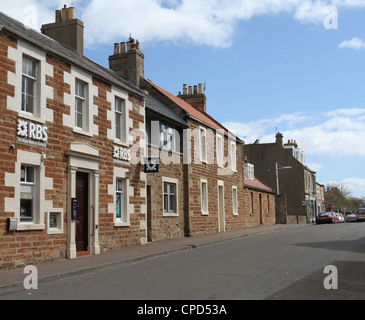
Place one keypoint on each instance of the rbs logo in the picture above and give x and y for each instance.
(32, 131)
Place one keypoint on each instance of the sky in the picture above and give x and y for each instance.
(290, 66)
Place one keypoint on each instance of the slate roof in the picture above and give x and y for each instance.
(158, 107)
(46, 43)
(193, 112)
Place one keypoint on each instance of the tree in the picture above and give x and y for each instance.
(337, 194)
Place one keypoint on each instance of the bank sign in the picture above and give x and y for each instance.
(31, 134)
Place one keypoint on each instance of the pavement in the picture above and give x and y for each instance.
(63, 268)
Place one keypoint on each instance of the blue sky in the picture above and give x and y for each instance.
(294, 66)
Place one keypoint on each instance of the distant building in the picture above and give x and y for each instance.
(320, 204)
(297, 183)
(259, 199)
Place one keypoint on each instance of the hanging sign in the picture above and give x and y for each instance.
(151, 164)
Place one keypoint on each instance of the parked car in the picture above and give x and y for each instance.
(326, 217)
(340, 217)
(360, 213)
(351, 217)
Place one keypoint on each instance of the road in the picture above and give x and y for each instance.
(282, 264)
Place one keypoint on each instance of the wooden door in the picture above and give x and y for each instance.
(82, 222)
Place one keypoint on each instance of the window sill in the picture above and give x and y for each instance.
(170, 214)
(82, 132)
(121, 143)
(31, 117)
(29, 226)
(122, 224)
(205, 213)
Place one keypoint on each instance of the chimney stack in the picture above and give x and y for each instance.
(195, 96)
(128, 60)
(279, 138)
(67, 30)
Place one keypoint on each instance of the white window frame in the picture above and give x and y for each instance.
(168, 137)
(233, 156)
(250, 171)
(43, 90)
(235, 200)
(166, 212)
(203, 144)
(204, 196)
(91, 129)
(220, 149)
(123, 205)
(121, 114)
(44, 183)
(121, 174)
(85, 109)
(26, 78)
(60, 225)
(33, 187)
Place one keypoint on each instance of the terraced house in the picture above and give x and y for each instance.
(95, 158)
(70, 184)
(199, 185)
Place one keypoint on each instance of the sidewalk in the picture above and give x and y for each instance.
(49, 271)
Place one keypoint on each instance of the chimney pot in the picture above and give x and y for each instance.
(190, 90)
(71, 13)
(64, 13)
(116, 48)
(201, 88)
(195, 89)
(58, 16)
(122, 47)
(185, 89)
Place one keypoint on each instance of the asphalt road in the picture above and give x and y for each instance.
(282, 264)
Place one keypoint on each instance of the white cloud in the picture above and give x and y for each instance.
(356, 186)
(201, 22)
(336, 133)
(354, 43)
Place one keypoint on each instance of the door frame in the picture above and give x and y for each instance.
(221, 211)
(83, 158)
(86, 210)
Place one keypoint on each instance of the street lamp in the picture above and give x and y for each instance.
(277, 168)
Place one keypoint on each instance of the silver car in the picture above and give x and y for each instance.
(360, 213)
(351, 217)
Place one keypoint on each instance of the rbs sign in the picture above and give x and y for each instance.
(32, 131)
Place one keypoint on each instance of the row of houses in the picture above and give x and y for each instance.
(95, 159)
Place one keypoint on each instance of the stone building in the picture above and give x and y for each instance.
(283, 168)
(70, 182)
(95, 159)
(199, 187)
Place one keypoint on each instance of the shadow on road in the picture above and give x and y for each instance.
(351, 285)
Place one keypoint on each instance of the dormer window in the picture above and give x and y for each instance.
(250, 171)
